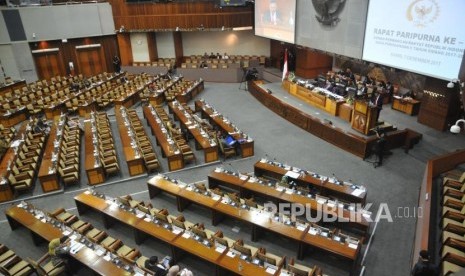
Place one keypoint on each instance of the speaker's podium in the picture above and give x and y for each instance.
(363, 116)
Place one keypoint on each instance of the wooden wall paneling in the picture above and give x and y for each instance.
(440, 106)
(157, 16)
(152, 45)
(178, 49)
(110, 49)
(311, 63)
(125, 50)
(276, 50)
(49, 64)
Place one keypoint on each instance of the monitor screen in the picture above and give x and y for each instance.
(221, 241)
(230, 140)
(297, 271)
(179, 224)
(421, 36)
(161, 217)
(242, 249)
(198, 232)
(275, 19)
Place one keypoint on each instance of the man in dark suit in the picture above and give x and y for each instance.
(153, 265)
(378, 102)
(424, 267)
(272, 16)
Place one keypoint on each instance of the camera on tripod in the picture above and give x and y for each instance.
(251, 74)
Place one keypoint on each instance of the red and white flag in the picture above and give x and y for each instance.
(285, 65)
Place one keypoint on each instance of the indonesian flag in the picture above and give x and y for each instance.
(285, 65)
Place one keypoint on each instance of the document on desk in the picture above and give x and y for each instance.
(220, 249)
(292, 174)
(357, 192)
(353, 245)
(186, 235)
(280, 189)
(270, 270)
(243, 177)
(216, 197)
(176, 231)
(230, 254)
(313, 231)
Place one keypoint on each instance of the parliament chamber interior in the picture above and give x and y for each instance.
(232, 137)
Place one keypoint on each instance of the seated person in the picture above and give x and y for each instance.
(58, 250)
(212, 55)
(152, 264)
(225, 56)
(203, 65)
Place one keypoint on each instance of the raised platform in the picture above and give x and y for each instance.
(271, 74)
(323, 128)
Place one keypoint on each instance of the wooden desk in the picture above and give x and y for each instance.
(191, 92)
(345, 218)
(94, 168)
(11, 87)
(135, 162)
(158, 98)
(320, 100)
(325, 188)
(12, 118)
(129, 99)
(259, 219)
(172, 153)
(54, 110)
(43, 231)
(410, 107)
(48, 171)
(202, 140)
(177, 242)
(246, 144)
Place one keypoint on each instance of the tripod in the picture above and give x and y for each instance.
(243, 80)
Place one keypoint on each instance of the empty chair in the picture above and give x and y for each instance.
(62, 215)
(45, 267)
(16, 267)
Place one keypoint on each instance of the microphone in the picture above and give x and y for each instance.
(234, 171)
(336, 180)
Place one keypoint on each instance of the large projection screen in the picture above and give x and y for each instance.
(335, 26)
(422, 36)
(275, 19)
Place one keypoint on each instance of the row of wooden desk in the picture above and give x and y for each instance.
(9, 159)
(191, 92)
(143, 228)
(346, 191)
(258, 219)
(169, 150)
(246, 144)
(93, 165)
(246, 185)
(134, 158)
(202, 140)
(41, 231)
(48, 172)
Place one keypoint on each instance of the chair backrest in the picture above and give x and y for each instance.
(39, 270)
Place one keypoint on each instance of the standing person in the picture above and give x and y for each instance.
(379, 147)
(424, 267)
(378, 102)
(117, 64)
